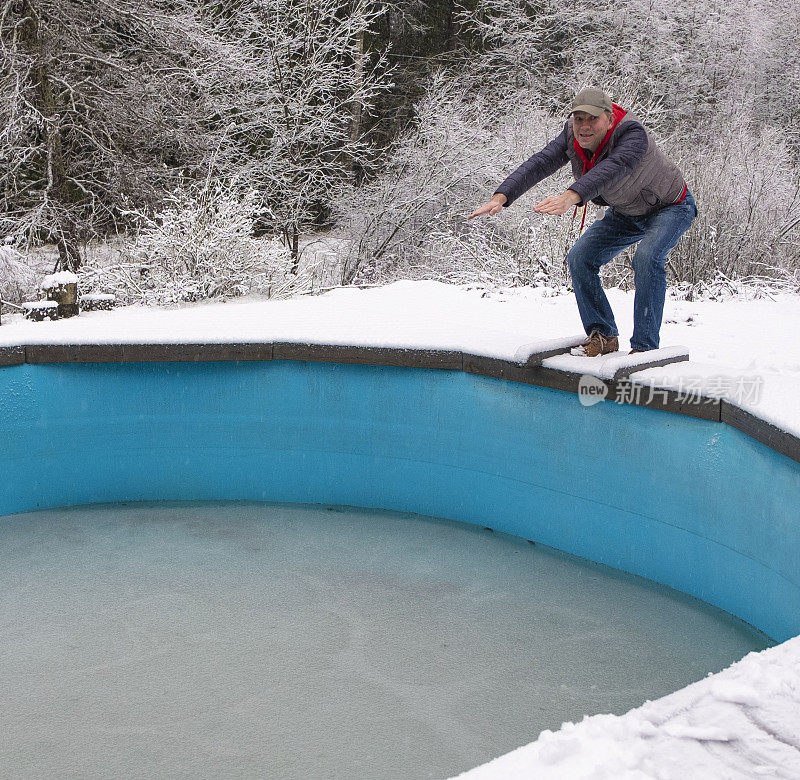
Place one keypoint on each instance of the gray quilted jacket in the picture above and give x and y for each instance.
(629, 173)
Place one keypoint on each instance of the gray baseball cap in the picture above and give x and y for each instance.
(591, 100)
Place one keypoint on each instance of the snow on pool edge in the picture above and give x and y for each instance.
(743, 722)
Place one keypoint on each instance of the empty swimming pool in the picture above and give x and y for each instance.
(273, 638)
(293, 641)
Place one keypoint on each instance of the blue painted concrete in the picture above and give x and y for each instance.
(691, 504)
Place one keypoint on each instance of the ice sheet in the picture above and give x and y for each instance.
(298, 642)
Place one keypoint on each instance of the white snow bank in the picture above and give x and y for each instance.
(423, 315)
(741, 723)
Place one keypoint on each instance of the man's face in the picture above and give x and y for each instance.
(590, 130)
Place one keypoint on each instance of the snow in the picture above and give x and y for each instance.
(59, 279)
(99, 297)
(425, 315)
(727, 341)
(606, 366)
(40, 305)
(523, 354)
(741, 723)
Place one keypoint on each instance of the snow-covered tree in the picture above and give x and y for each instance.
(698, 61)
(200, 245)
(17, 278)
(103, 107)
(298, 128)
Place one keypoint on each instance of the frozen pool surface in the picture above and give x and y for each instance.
(286, 641)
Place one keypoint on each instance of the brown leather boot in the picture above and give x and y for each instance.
(597, 344)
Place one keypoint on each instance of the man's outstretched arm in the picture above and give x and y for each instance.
(532, 171)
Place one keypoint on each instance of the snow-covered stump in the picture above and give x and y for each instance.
(98, 302)
(40, 310)
(62, 288)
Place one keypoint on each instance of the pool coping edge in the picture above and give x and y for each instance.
(530, 373)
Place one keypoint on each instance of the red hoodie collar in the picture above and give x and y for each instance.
(588, 162)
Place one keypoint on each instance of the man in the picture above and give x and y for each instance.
(617, 164)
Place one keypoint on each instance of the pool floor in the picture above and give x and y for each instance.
(296, 641)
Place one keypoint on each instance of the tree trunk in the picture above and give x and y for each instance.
(358, 109)
(295, 248)
(69, 254)
(63, 229)
(450, 27)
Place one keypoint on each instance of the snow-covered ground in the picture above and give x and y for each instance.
(744, 334)
(739, 333)
(752, 340)
(742, 723)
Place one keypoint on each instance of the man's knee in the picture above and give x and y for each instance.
(577, 260)
(649, 263)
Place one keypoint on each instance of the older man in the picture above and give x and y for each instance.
(616, 163)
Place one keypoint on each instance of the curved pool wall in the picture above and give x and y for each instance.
(690, 503)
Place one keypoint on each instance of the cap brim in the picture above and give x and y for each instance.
(593, 110)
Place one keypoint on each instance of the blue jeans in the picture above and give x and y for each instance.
(657, 234)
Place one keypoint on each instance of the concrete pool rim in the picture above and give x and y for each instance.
(717, 409)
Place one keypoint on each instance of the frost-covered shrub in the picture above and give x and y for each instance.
(512, 249)
(200, 246)
(17, 278)
(748, 196)
(410, 221)
(722, 288)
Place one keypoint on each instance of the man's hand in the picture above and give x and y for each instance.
(558, 204)
(491, 207)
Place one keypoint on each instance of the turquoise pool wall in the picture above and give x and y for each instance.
(692, 504)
